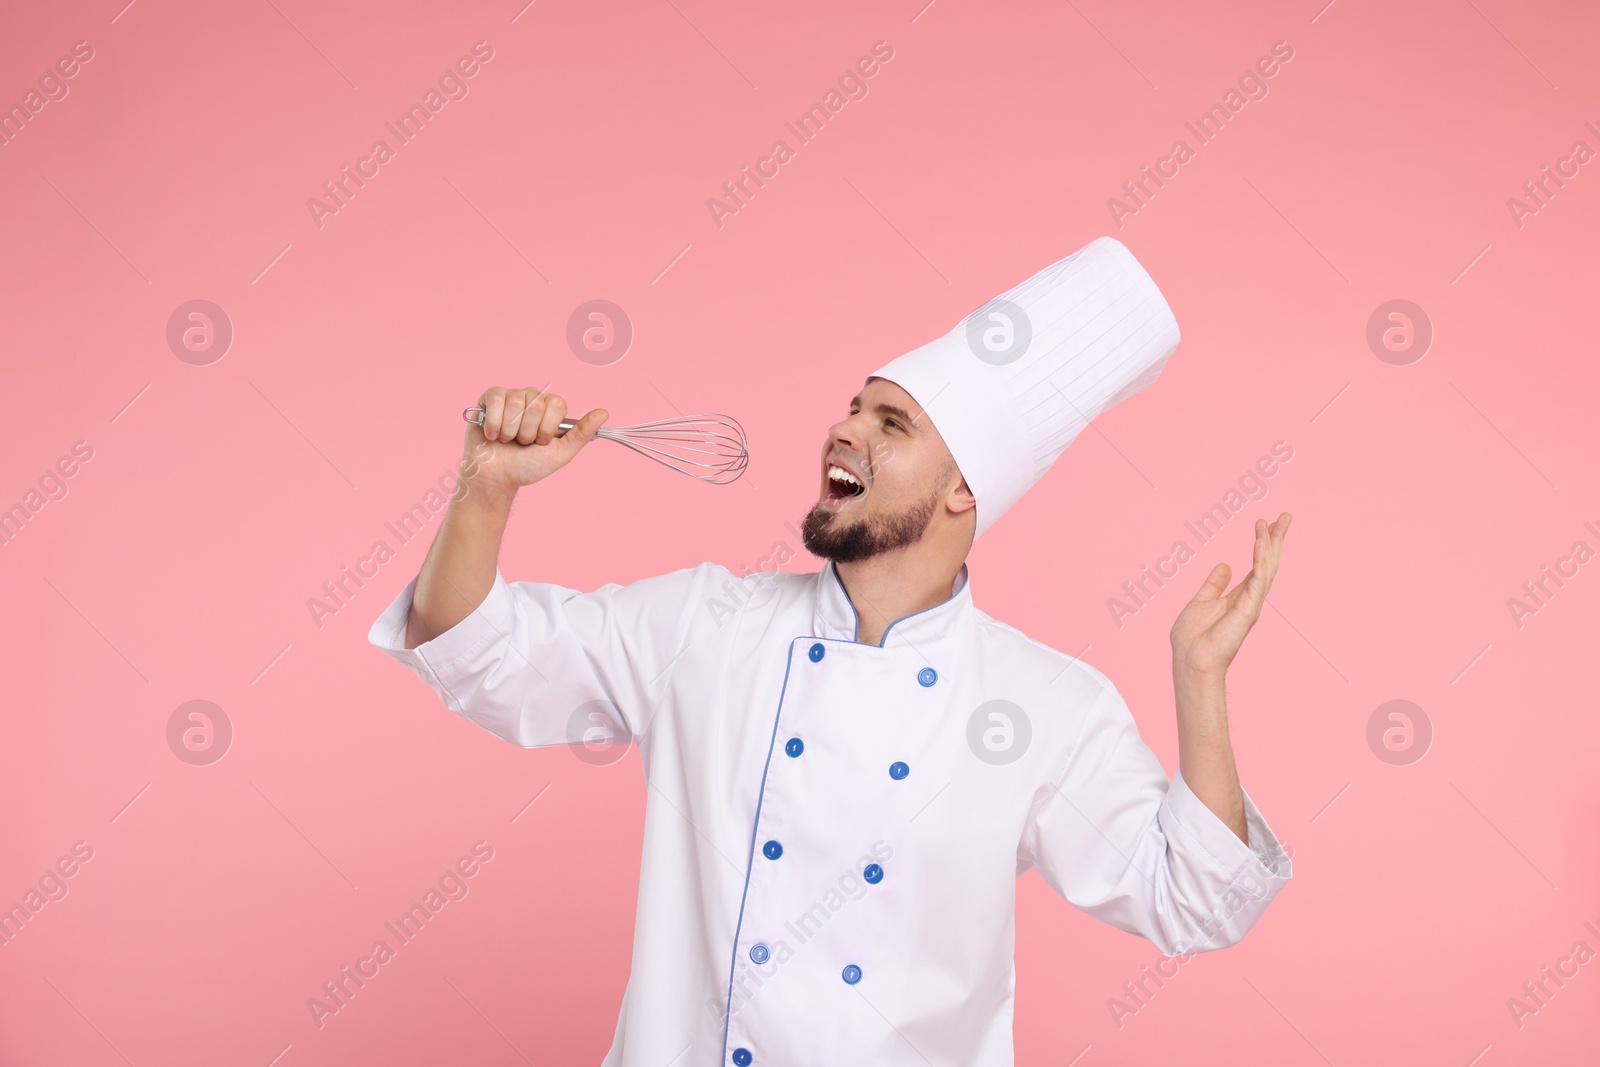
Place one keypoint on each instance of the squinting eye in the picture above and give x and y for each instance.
(896, 424)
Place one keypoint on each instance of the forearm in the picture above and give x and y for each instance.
(518, 442)
(460, 566)
(1205, 753)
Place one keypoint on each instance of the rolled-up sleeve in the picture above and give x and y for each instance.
(540, 664)
(1114, 837)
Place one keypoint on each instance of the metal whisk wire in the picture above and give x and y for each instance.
(710, 448)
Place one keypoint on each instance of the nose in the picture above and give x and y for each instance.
(849, 434)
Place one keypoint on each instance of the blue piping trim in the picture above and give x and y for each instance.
(857, 634)
(733, 962)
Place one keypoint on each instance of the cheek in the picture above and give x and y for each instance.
(892, 489)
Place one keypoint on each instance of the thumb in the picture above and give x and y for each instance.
(584, 431)
(1215, 582)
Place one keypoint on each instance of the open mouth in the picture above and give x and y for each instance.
(842, 486)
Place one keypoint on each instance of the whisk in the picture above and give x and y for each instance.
(711, 448)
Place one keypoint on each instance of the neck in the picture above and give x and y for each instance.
(893, 585)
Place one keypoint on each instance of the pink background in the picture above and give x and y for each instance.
(178, 567)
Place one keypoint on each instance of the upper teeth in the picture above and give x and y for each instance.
(840, 474)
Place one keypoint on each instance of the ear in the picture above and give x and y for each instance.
(960, 499)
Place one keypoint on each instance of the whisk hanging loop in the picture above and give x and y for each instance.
(710, 448)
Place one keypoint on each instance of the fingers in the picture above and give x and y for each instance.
(521, 416)
(524, 408)
(1264, 559)
(505, 410)
(530, 404)
(550, 423)
(493, 403)
(1280, 529)
(1264, 545)
(1269, 542)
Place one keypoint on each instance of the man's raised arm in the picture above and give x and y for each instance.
(516, 446)
(537, 663)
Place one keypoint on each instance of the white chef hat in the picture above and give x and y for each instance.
(1015, 381)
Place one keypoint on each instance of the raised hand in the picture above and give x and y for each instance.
(1209, 631)
(517, 443)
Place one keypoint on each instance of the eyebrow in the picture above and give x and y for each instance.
(889, 409)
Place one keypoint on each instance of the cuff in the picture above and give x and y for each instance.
(490, 621)
(1263, 860)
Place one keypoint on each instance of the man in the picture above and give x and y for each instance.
(850, 769)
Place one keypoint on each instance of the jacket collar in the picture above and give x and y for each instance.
(836, 618)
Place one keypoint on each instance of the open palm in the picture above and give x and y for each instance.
(1209, 631)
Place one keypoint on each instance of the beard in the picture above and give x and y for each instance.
(865, 538)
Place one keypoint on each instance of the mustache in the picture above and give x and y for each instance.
(877, 457)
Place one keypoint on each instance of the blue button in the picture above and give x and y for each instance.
(759, 953)
(772, 850)
(873, 873)
(817, 651)
(851, 974)
(742, 1057)
(794, 746)
(898, 771)
(927, 676)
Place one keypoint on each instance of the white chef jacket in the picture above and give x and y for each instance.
(834, 830)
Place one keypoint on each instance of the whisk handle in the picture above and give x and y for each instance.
(475, 416)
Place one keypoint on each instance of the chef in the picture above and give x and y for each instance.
(849, 769)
